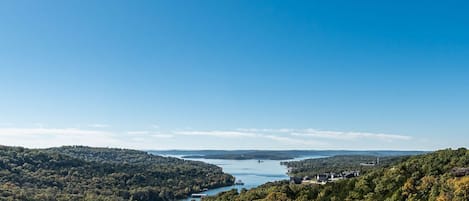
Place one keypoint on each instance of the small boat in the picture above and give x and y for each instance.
(198, 195)
(239, 182)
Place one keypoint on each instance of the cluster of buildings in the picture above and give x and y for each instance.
(325, 177)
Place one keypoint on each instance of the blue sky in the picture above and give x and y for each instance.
(235, 74)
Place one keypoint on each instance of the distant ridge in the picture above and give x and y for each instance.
(275, 154)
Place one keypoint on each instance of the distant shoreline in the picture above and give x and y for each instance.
(241, 157)
(273, 154)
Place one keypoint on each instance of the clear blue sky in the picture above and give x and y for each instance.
(235, 74)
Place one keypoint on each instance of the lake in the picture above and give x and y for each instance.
(252, 172)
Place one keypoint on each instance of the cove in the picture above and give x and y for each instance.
(251, 172)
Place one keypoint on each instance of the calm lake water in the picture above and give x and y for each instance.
(251, 172)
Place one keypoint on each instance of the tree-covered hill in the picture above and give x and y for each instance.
(84, 173)
(311, 167)
(437, 176)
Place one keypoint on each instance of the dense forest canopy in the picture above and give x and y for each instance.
(437, 176)
(84, 173)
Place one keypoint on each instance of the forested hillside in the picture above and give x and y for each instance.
(438, 176)
(84, 173)
(311, 167)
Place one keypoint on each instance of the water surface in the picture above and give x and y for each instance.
(252, 172)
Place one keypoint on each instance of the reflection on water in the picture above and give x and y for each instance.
(252, 172)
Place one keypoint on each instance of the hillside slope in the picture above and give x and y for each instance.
(436, 176)
(84, 173)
